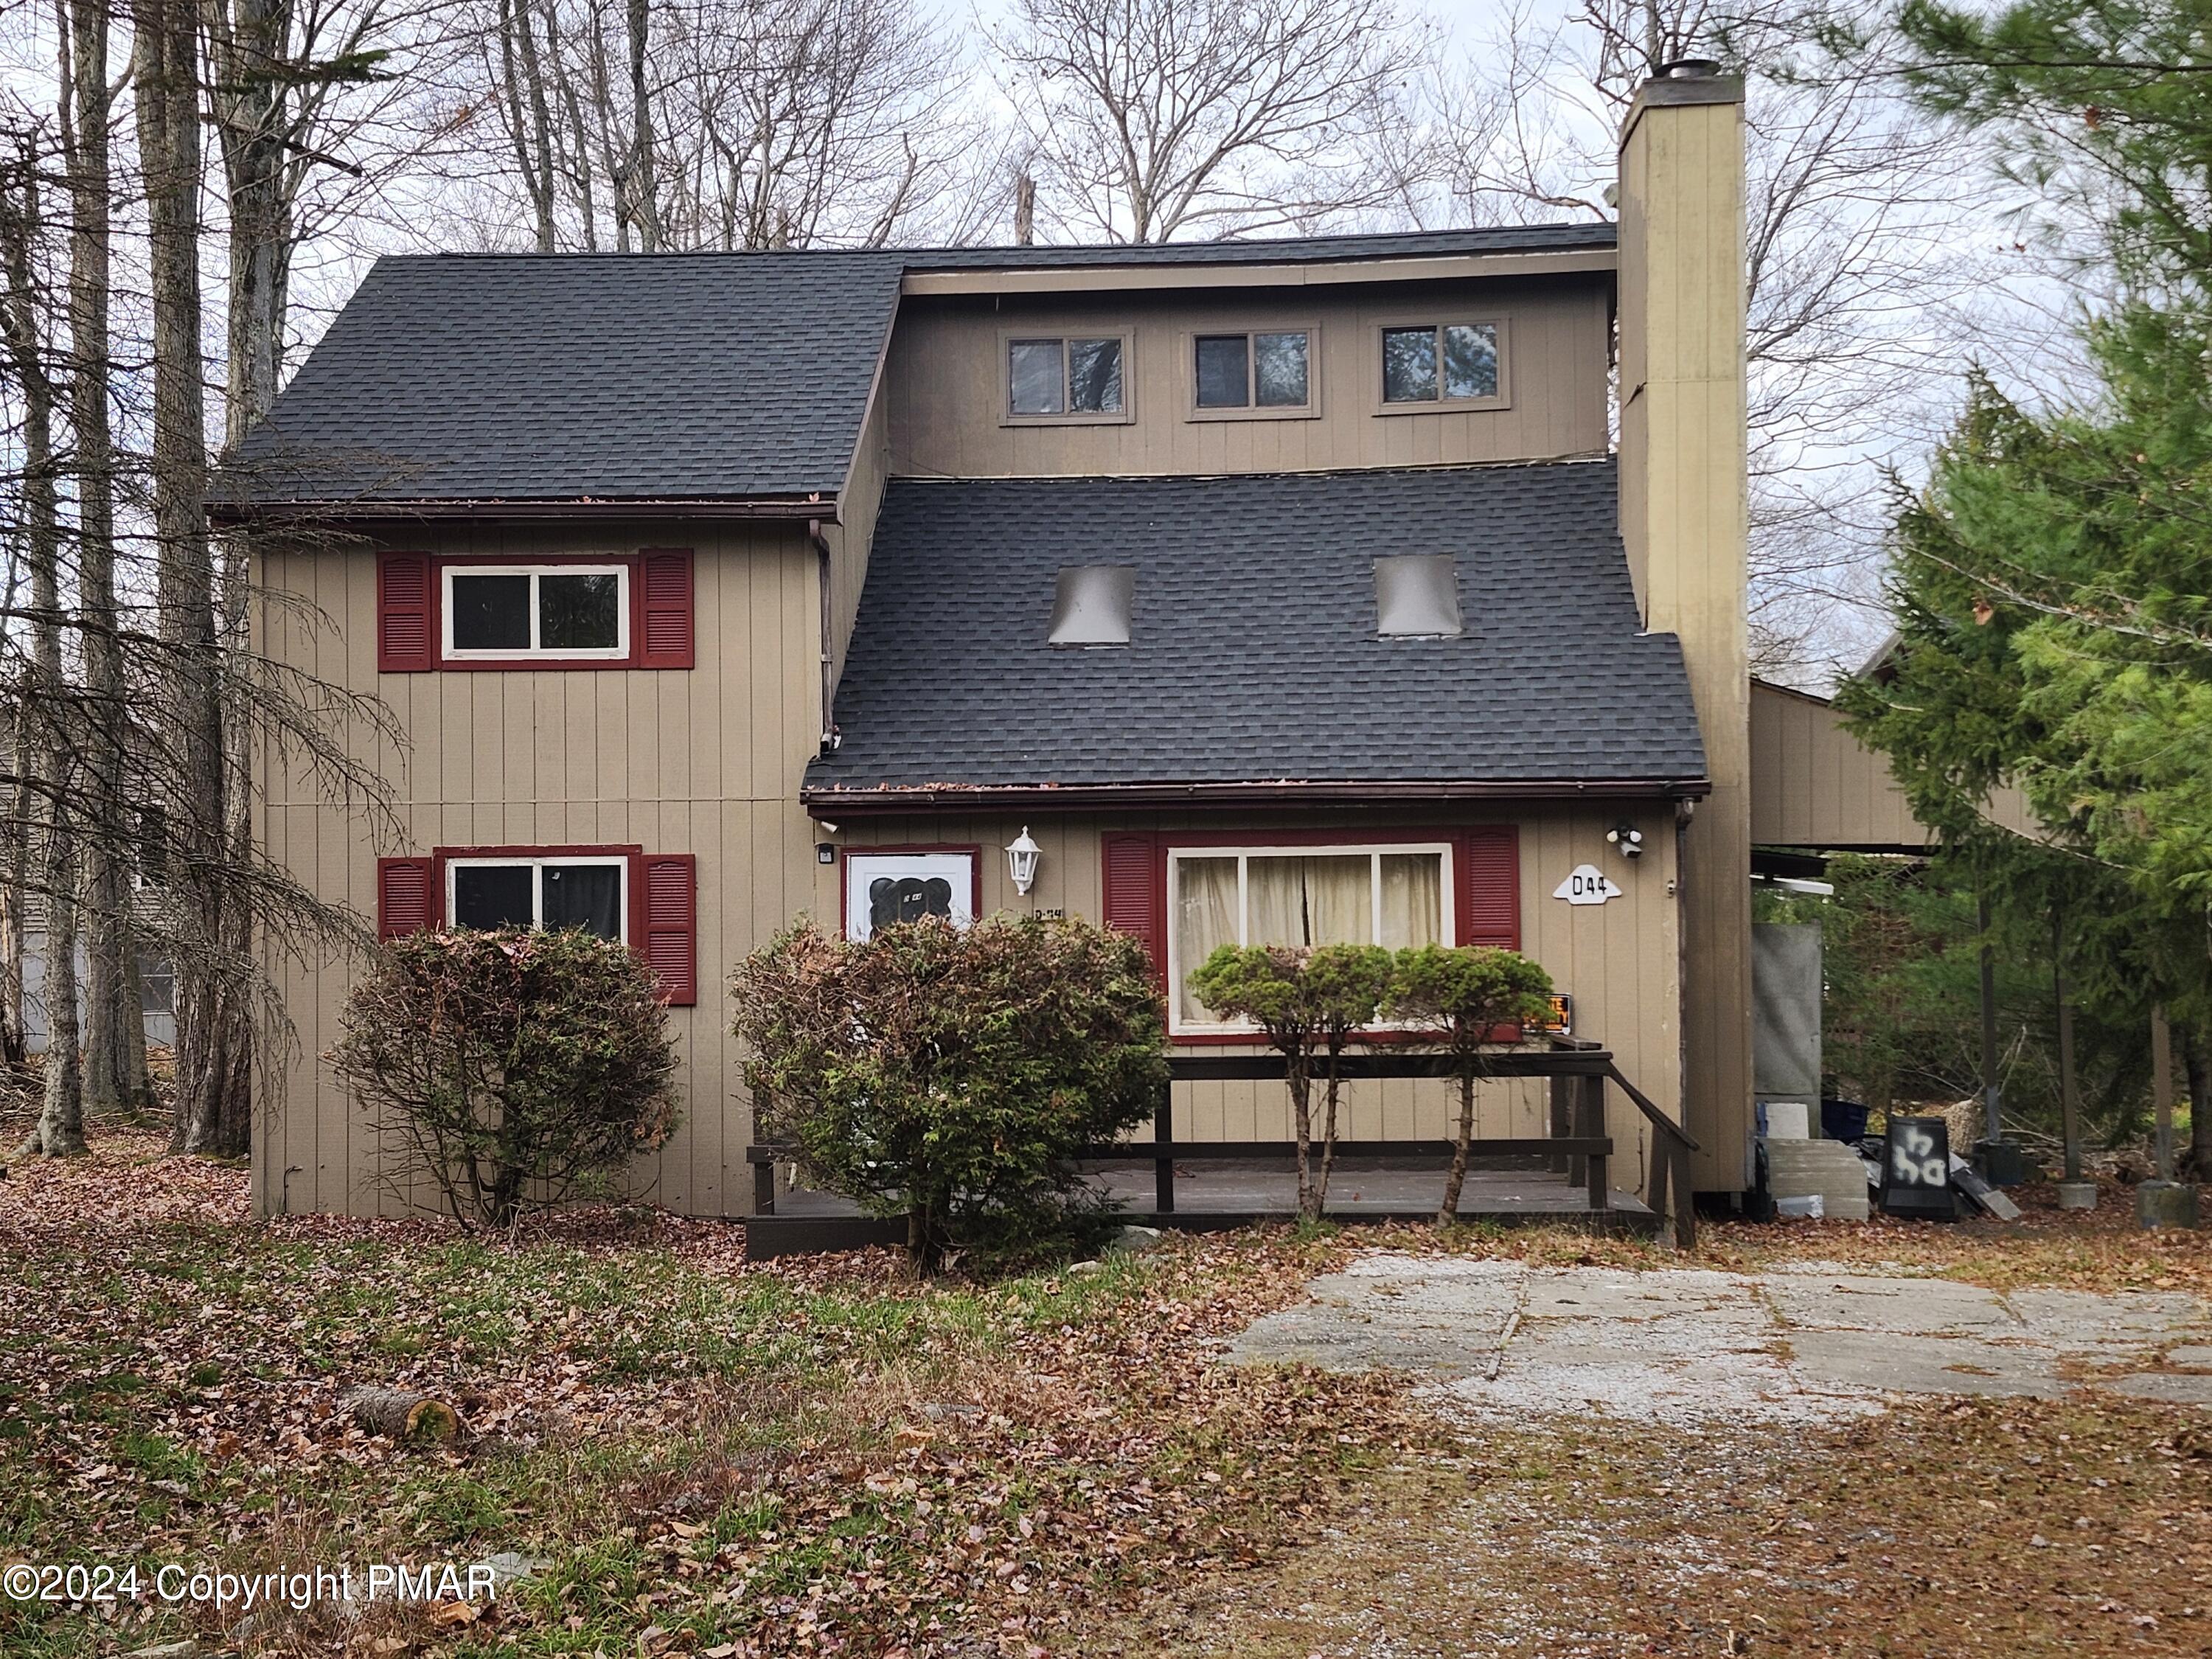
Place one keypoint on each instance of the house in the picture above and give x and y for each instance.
(1286, 589)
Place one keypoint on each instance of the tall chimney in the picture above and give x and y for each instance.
(1683, 519)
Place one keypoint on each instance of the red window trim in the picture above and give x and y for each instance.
(632, 935)
(636, 928)
(973, 849)
(1458, 838)
(633, 563)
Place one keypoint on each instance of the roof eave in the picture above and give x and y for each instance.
(1594, 259)
(823, 505)
(1073, 798)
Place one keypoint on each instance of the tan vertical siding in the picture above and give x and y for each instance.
(1619, 959)
(705, 760)
(946, 382)
(1813, 784)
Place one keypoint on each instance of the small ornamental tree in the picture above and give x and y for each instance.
(1309, 1003)
(952, 1075)
(516, 1069)
(1464, 1000)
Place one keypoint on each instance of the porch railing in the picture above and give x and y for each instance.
(1577, 1145)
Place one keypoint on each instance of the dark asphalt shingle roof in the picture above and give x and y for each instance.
(527, 377)
(1253, 656)
(648, 377)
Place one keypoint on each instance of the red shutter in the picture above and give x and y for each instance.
(1136, 899)
(404, 644)
(406, 897)
(666, 931)
(1490, 887)
(664, 608)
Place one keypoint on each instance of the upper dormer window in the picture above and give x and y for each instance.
(1266, 372)
(1440, 363)
(1069, 377)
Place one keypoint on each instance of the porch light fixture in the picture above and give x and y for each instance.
(1628, 840)
(1022, 854)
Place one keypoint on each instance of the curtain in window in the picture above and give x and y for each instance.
(586, 895)
(1204, 919)
(1328, 900)
(1412, 898)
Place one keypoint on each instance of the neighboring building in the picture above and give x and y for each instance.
(1277, 590)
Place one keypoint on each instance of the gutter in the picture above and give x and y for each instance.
(1070, 797)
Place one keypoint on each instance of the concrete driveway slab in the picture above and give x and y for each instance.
(1698, 1347)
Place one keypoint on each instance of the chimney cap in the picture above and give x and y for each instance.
(1689, 69)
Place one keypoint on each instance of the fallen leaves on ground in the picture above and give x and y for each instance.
(2023, 1527)
(816, 1456)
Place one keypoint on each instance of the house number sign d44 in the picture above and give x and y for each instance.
(1587, 885)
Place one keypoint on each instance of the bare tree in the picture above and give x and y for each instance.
(114, 1029)
(214, 1022)
(1152, 118)
(1860, 260)
(25, 309)
(647, 125)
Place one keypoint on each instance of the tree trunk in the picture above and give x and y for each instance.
(1333, 1088)
(208, 990)
(400, 1414)
(137, 1081)
(110, 1076)
(60, 1133)
(2196, 1065)
(1299, 1073)
(1456, 1178)
(48, 756)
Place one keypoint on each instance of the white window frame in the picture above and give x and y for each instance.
(863, 865)
(620, 651)
(1178, 970)
(619, 862)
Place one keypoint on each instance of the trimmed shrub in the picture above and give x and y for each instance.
(515, 1068)
(1466, 1000)
(950, 1074)
(1309, 1003)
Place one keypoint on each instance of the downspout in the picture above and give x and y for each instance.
(828, 739)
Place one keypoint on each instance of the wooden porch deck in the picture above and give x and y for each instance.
(1216, 1197)
(1210, 1186)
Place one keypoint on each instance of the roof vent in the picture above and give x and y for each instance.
(1091, 606)
(1689, 69)
(1417, 596)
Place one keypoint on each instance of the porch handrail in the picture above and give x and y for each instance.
(1578, 1144)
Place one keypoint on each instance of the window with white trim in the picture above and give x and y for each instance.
(560, 612)
(586, 891)
(1394, 894)
(882, 888)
